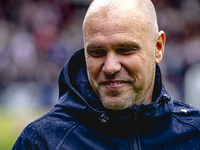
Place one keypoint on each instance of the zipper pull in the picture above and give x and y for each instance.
(165, 99)
(103, 118)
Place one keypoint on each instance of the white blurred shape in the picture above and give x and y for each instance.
(192, 86)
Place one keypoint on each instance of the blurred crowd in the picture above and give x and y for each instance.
(181, 22)
(36, 40)
(38, 36)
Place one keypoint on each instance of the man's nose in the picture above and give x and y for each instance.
(111, 65)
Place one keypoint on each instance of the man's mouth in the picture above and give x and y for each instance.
(114, 83)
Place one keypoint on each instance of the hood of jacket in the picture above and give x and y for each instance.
(77, 96)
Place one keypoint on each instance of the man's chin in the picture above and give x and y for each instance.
(114, 104)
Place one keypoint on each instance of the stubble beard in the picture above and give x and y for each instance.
(115, 102)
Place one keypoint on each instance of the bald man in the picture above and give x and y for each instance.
(111, 92)
(123, 49)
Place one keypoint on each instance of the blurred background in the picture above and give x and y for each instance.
(37, 37)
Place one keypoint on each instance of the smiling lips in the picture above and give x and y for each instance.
(114, 83)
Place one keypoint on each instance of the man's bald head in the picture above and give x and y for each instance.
(128, 10)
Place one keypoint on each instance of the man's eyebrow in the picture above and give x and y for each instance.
(124, 44)
(93, 46)
(129, 44)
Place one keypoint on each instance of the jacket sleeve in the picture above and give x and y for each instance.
(30, 139)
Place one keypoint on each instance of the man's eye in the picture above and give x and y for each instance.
(126, 51)
(97, 53)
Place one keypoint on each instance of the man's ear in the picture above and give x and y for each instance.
(159, 51)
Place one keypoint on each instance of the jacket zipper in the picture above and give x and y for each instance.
(133, 140)
(132, 133)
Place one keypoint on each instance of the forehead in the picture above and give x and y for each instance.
(118, 18)
(114, 41)
(116, 24)
(112, 14)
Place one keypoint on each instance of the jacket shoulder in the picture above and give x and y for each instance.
(186, 114)
(47, 131)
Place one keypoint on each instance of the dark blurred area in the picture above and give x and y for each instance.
(37, 37)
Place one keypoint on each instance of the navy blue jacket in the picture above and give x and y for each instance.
(80, 122)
